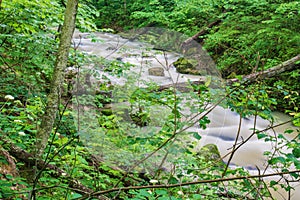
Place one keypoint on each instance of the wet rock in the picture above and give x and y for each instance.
(110, 48)
(119, 59)
(156, 71)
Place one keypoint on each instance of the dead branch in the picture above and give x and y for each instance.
(201, 33)
(271, 72)
(182, 86)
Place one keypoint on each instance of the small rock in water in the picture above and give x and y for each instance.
(119, 59)
(110, 48)
(156, 71)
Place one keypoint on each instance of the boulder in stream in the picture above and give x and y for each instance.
(156, 71)
(210, 153)
(187, 66)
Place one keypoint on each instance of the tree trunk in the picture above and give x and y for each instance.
(58, 76)
(273, 71)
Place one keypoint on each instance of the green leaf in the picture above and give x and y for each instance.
(295, 175)
(196, 135)
(261, 135)
(296, 152)
(288, 131)
(272, 183)
(161, 192)
(76, 195)
(207, 81)
(173, 180)
(197, 196)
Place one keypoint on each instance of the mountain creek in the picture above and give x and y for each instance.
(150, 65)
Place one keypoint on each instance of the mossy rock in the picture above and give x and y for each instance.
(141, 119)
(187, 66)
(107, 112)
(210, 153)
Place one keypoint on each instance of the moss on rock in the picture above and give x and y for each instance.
(210, 154)
(187, 66)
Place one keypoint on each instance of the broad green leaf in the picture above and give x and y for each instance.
(196, 135)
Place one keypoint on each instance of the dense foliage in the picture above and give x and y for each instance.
(252, 35)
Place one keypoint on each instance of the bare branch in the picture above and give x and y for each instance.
(189, 183)
(202, 32)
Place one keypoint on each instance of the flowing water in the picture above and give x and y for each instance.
(224, 124)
